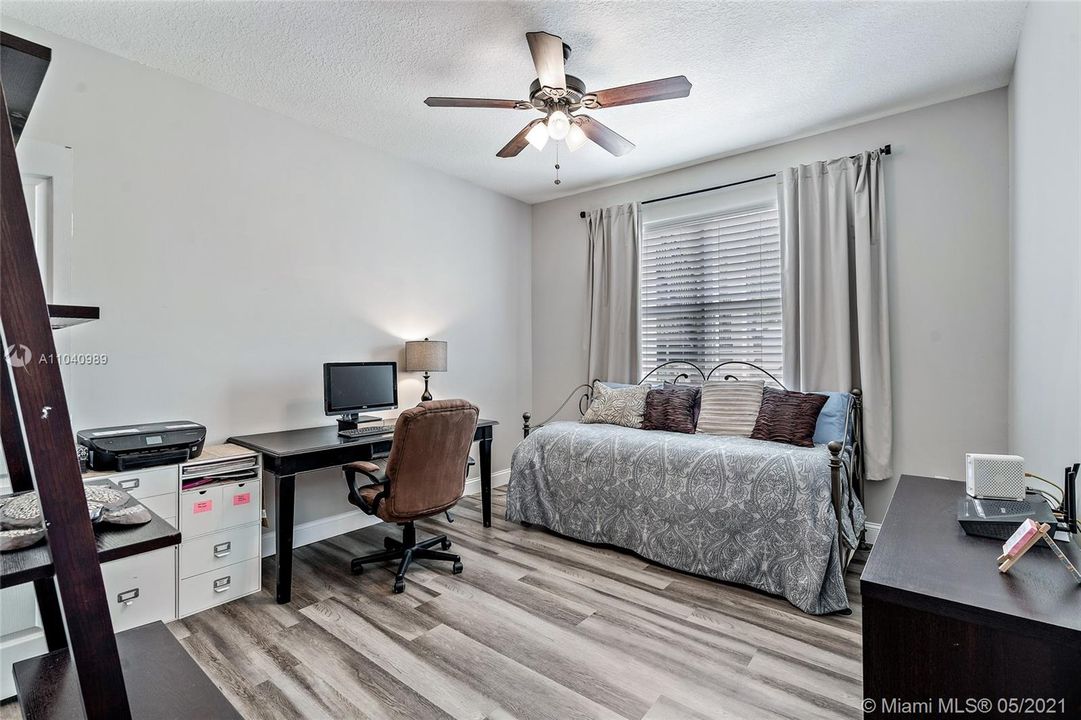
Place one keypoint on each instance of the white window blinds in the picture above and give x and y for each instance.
(711, 291)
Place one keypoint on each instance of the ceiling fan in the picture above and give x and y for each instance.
(559, 96)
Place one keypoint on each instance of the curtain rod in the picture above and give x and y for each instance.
(885, 150)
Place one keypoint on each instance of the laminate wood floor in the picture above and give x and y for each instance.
(537, 627)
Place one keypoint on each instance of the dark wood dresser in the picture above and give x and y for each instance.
(946, 634)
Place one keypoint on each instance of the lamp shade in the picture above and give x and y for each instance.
(426, 356)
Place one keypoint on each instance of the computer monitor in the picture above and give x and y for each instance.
(349, 387)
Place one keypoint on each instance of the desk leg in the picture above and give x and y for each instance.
(486, 479)
(284, 491)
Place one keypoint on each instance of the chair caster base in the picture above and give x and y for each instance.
(445, 545)
(456, 568)
(399, 586)
(357, 568)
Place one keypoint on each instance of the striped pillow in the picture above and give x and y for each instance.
(788, 417)
(730, 407)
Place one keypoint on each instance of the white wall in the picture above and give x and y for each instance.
(1045, 241)
(947, 219)
(233, 251)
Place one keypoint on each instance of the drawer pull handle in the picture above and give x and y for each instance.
(223, 549)
(128, 596)
(222, 584)
(129, 484)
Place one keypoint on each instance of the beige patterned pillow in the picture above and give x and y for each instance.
(618, 406)
(730, 407)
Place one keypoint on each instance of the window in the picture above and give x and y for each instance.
(711, 291)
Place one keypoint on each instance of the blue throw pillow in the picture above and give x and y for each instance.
(831, 421)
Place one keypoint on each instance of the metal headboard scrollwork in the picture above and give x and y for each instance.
(684, 376)
(760, 369)
(586, 390)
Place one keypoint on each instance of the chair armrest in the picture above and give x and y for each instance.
(374, 473)
(368, 468)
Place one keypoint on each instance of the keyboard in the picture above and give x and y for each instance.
(366, 430)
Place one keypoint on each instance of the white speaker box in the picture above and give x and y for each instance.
(1001, 477)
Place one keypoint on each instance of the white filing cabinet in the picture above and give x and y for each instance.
(217, 561)
(220, 514)
(142, 588)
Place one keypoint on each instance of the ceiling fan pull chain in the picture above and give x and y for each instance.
(557, 163)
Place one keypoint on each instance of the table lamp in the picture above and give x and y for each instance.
(427, 356)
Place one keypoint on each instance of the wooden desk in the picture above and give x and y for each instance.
(940, 620)
(288, 453)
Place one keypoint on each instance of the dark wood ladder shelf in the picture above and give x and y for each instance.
(62, 316)
(114, 542)
(90, 672)
(162, 679)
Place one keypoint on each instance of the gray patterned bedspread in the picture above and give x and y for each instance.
(744, 511)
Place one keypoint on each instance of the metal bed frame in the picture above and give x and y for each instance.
(846, 458)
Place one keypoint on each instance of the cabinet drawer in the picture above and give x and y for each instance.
(148, 481)
(208, 589)
(200, 511)
(226, 547)
(141, 588)
(241, 503)
(162, 505)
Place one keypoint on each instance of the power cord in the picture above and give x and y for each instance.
(1057, 502)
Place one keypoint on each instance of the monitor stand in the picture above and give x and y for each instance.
(350, 421)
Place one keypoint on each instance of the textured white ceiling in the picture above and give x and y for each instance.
(761, 71)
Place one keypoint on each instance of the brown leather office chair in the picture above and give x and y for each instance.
(425, 475)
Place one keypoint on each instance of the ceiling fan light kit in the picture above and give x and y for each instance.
(538, 136)
(576, 138)
(558, 125)
(559, 96)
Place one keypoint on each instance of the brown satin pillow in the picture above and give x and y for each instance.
(788, 417)
(671, 408)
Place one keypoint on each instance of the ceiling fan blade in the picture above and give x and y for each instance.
(665, 89)
(604, 136)
(518, 142)
(476, 103)
(547, 52)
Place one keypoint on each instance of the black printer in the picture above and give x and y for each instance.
(129, 447)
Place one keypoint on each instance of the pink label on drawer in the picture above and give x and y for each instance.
(242, 499)
(203, 506)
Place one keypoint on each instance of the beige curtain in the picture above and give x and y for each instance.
(834, 307)
(615, 241)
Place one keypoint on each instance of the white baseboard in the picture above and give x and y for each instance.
(871, 533)
(334, 525)
(472, 485)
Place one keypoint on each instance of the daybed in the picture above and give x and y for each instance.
(776, 517)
